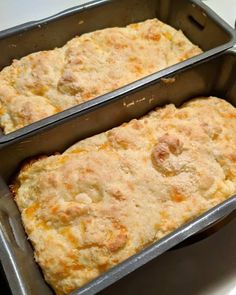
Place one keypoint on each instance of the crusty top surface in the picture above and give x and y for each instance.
(44, 83)
(110, 195)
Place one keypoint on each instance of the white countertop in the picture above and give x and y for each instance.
(225, 8)
(13, 12)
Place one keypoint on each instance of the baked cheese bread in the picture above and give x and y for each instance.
(109, 196)
(47, 82)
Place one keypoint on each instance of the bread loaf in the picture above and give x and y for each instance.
(47, 82)
(111, 195)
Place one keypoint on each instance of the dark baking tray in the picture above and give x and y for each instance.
(213, 77)
(199, 23)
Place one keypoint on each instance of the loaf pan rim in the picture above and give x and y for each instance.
(46, 122)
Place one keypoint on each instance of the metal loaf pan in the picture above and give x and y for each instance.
(199, 23)
(213, 77)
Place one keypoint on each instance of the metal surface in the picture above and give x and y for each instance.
(213, 77)
(199, 23)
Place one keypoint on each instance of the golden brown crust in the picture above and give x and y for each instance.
(109, 196)
(44, 83)
(25, 165)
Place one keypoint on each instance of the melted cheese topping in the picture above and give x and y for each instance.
(109, 196)
(47, 82)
